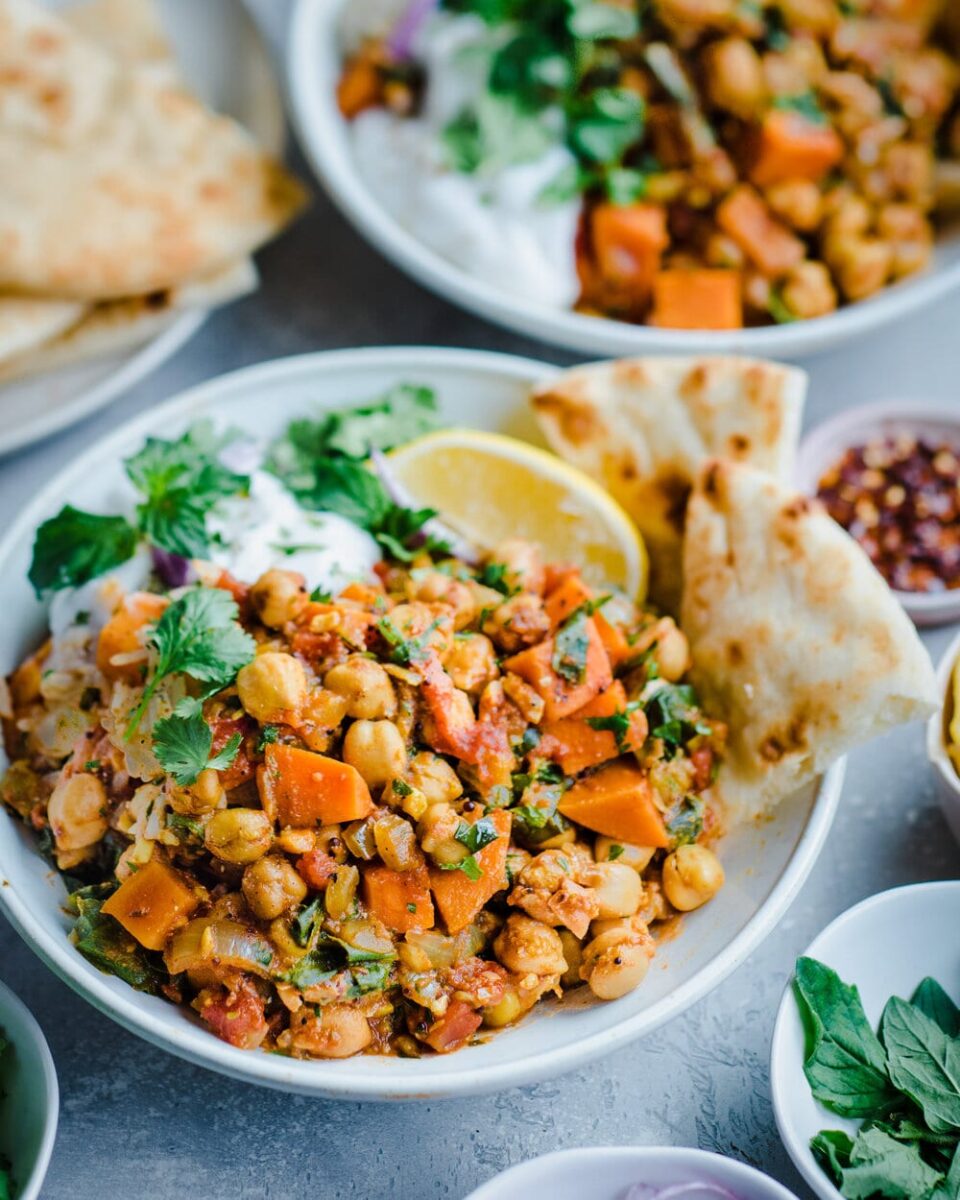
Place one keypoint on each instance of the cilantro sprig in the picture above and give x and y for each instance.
(197, 635)
(617, 723)
(183, 743)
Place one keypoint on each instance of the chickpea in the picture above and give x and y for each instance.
(434, 587)
(734, 76)
(238, 835)
(862, 266)
(207, 791)
(617, 889)
(798, 202)
(507, 1009)
(671, 651)
(530, 703)
(850, 215)
(615, 962)
(272, 687)
(809, 291)
(366, 687)
(437, 830)
(376, 750)
(524, 564)
(77, 812)
(518, 622)
(434, 777)
(296, 841)
(339, 1031)
(414, 620)
(271, 886)
(723, 251)
(529, 947)
(471, 662)
(573, 953)
(397, 843)
(607, 849)
(819, 17)
(278, 596)
(692, 875)
(910, 234)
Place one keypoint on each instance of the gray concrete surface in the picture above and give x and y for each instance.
(136, 1122)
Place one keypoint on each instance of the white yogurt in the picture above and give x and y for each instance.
(491, 224)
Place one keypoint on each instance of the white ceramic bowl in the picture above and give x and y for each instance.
(765, 864)
(826, 443)
(945, 773)
(29, 1097)
(605, 1172)
(313, 68)
(885, 946)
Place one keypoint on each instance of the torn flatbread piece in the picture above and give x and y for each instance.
(133, 187)
(644, 427)
(26, 322)
(795, 638)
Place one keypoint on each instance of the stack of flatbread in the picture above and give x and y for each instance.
(796, 640)
(123, 200)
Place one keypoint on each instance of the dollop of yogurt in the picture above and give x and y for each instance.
(492, 224)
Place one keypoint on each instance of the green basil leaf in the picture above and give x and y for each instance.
(881, 1166)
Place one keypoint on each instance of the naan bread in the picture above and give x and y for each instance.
(130, 31)
(797, 642)
(133, 186)
(26, 322)
(644, 427)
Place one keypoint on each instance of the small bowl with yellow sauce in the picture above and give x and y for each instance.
(943, 737)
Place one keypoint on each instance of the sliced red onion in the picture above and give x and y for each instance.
(404, 33)
(459, 546)
(694, 1190)
(173, 569)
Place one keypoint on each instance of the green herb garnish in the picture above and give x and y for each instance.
(673, 715)
(617, 723)
(75, 546)
(183, 743)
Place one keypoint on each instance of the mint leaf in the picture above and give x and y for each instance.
(881, 1166)
(932, 1000)
(845, 1064)
(923, 1062)
(831, 1148)
(181, 480)
(75, 546)
(405, 412)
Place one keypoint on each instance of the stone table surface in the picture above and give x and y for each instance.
(135, 1121)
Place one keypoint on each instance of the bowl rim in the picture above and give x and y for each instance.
(936, 749)
(11, 1002)
(528, 1172)
(818, 449)
(326, 1078)
(798, 1150)
(318, 126)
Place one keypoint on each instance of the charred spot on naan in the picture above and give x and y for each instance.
(576, 423)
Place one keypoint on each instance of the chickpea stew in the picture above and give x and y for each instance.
(730, 164)
(379, 819)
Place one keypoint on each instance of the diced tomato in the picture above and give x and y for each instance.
(481, 982)
(323, 648)
(453, 1028)
(237, 1018)
(702, 760)
(239, 591)
(316, 869)
(243, 767)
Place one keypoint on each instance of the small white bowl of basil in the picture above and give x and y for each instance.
(29, 1101)
(865, 1061)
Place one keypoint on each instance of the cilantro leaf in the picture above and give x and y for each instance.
(75, 546)
(673, 715)
(605, 124)
(104, 942)
(405, 651)
(268, 735)
(181, 479)
(405, 412)
(399, 527)
(570, 647)
(306, 920)
(469, 866)
(481, 833)
(805, 104)
(845, 1064)
(197, 635)
(617, 723)
(685, 823)
(183, 742)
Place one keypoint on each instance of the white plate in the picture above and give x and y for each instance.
(29, 1096)
(827, 442)
(313, 67)
(223, 60)
(945, 774)
(606, 1172)
(765, 864)
(885, 946)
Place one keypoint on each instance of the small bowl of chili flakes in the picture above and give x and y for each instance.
(890, 475)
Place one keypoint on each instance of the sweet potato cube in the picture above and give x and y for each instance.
(618, 802)
(121, 635)
(628, 241)
(561, 696)
(459, 898)
(301, 788)
(575, 744)
(400, 899)
(697, 299)
(790, 146)
(151, 903)
(565, 598)
(765, 241)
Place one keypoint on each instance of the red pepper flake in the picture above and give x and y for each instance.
(899, 496)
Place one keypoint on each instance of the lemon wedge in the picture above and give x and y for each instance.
(489, 487)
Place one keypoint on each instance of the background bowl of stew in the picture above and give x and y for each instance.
(766, 863)
(314, 64)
